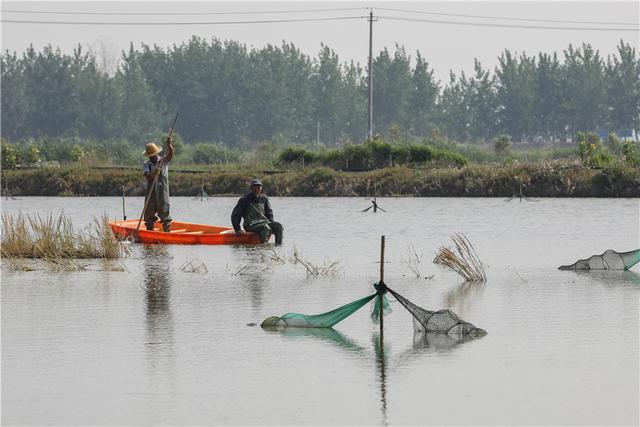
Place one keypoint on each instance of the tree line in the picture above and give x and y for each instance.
(238, 97)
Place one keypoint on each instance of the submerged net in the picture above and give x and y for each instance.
(609, 260)
(440, 322)
(324, 320)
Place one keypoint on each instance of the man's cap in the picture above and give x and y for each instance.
(151, 149)
(255, 181)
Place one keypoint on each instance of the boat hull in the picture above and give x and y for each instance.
(184, 233)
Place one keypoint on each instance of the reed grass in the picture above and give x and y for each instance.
(464, 260)
(54, 239)
(412, 261)
(194, 267)
(328, 268)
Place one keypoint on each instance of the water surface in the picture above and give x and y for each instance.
(157, 345)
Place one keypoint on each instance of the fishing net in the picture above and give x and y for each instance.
(324, 320)
(609, 260)
(425, 321)
(440, 322)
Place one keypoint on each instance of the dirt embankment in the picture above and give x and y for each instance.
(545, 179)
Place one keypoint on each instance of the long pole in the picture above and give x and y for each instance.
(370, 132)
(381, 296)
(124, 212)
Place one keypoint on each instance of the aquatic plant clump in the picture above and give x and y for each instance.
(464, 261)
(329, 268)
(52, 239)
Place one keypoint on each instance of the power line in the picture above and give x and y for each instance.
(508, 18)
(532, 27)
(342, 18)
(52, 12)
(392, 18)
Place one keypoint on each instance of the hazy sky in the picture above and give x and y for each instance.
(446, 46)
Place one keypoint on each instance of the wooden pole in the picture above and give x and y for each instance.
(381, 296)
(124, 212)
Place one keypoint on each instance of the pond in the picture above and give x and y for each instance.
(157, 344)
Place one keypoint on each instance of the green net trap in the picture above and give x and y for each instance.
(609, 260)
(438, 322)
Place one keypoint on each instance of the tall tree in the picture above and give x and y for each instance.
(549, 111)
(354, 103)
(481, 99)
(515, 94)
(139, 118)
(421, 104)
(49, 89)
(14, 107)
(392, 86)
(585, 89)
(623, 88)
(454, 108)
(327, 86)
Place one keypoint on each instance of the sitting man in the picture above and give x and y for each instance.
(256, 211)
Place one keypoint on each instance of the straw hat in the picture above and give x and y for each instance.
(151, 149)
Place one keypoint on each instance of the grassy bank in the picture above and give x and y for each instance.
(540, 179)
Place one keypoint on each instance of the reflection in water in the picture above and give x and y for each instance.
(339, 340)
(159, 324)
(431, 343)
(463, 295)
(610, 277)
(254, 264)
(328, 335)
(438, 342)
(381, 360)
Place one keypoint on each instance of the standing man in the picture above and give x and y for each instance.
(156, 172)
(255, 210)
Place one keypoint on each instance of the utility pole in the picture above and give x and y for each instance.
(370, 133)
(318, 137)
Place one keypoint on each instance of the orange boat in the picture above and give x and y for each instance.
(184, 233)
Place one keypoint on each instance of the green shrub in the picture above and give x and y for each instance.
(419, 154)
(9, 156)
(213, 153)
(357, 156)
(501, 144)
(591, 151)
(77, 153)
(614, 144)
(33, 155)
(295, 154)
(449, 158)
(631, 153)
